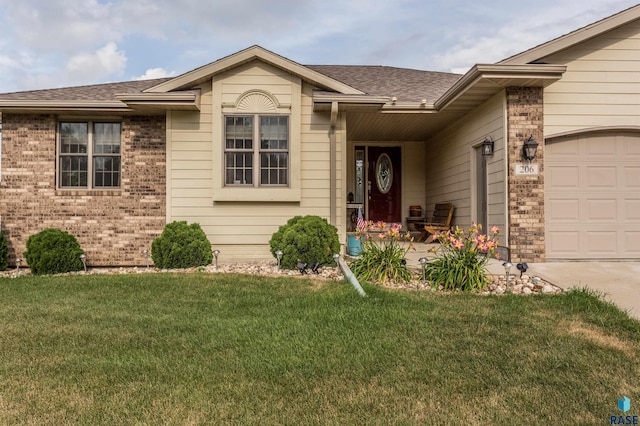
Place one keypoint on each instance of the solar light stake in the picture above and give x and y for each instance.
(18, 262)
(423, 262)
(83, 257)
(215, 254)
(507, 267)
(146, 257)
(279, 256)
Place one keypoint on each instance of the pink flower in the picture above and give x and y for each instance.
(495, 230)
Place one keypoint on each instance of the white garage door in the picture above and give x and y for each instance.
(592, 196)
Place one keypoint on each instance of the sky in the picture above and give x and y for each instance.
(60, 43)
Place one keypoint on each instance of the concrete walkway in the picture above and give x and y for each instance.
(618, 281)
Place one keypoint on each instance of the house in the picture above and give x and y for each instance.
(244, 143)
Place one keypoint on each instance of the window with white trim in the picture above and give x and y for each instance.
(89, 155)
(256, 150)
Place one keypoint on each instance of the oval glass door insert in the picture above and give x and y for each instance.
(384, 173)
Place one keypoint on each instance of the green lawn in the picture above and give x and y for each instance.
(233, 349)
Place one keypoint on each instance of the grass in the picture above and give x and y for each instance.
(233, 349)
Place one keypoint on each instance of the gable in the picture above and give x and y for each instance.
(251, 54)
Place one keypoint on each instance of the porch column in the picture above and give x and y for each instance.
(525, 112)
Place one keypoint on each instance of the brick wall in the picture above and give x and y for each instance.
(112, 227)
(526, 193)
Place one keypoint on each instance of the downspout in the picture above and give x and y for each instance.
(332, 165)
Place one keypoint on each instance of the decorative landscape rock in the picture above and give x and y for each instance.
(517, 285)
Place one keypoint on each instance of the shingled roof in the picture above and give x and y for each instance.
(405, 84)
(96, 92)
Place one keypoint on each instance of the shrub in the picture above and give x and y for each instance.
(4, 253)
(52, 251)
(181, 246)
(461, 263)
(383, 258)
(306, 239)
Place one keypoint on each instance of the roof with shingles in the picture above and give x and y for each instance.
(406, 84)
(96, 92)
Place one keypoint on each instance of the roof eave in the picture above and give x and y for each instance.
(185, 101)
(55, 106)
(498, 76)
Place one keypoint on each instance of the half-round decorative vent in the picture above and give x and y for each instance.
(256, 102)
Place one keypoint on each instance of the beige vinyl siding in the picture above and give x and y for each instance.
(450, 165)
(413, 176)
(601, 85)
(241, 229)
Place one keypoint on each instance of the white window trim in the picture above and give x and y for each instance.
(257, 151)
(90, 156)
(266, 194)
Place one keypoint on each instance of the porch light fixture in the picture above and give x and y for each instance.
(529, 149)
(216, 253)
(279, 257)
(487, 147)
(83, 258)
(423, 262)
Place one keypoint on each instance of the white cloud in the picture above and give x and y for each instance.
(152, 73)
(105, 61)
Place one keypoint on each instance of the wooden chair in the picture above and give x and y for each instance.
(440, 221)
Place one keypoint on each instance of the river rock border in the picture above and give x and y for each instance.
(524, 285)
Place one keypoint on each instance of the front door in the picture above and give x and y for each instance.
(383, 176)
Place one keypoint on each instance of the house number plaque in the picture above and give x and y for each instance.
(526, 169)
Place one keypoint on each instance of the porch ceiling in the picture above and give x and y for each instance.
(419, 122)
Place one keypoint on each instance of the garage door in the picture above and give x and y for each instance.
(592, 196)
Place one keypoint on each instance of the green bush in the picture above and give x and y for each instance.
(462, 259)
(181, 246)
(4, 253)
(52, 251)
(383, 258)
(306, 239)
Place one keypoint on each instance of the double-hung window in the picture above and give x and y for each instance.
(256, 150)
(89, 155)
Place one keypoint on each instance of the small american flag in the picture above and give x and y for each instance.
(360, 224)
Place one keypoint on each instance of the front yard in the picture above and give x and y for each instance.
(236, 349)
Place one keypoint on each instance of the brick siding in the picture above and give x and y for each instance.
(112, 227)
(526, 193)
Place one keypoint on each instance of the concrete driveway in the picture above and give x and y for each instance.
(619, 281)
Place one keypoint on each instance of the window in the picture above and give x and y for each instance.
(256, 150)
(89, 155)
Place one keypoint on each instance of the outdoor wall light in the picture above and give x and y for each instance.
(83, 257)
(279, 257)
(487, 146)
(529, 148)
(216, 253)
(507, 267)
(522, 267)
(423, 262)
